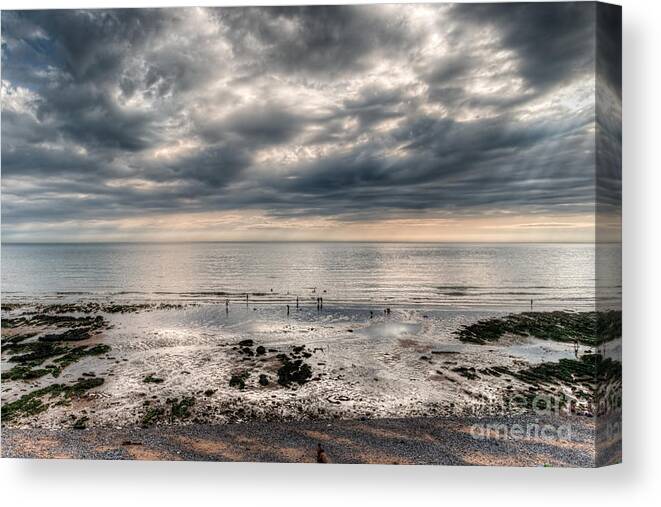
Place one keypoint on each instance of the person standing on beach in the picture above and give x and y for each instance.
(531, 305)
(322, 457)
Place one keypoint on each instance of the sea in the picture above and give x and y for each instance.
(458, 276)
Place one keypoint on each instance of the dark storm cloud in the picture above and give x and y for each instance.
(375, 104)
(259, 125)
(454, 165)
(448, 69)
(69, 58)
(609, 109)
(352, 112)
(315, 40)
(609, 46)
(553, 41)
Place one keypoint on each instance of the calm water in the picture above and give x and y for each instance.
(555, 276)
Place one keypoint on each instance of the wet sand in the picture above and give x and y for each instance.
(253, 383)
(405, 364)
(440, 441)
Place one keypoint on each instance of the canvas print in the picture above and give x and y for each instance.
(384, 234)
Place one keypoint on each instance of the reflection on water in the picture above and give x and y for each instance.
(391, 329)
(554, 276)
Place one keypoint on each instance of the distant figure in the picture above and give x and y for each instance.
(297, 302)
(287, 309)
(322, 457)
(371, 314)
(531, 305)
(227, 306)
(246, 298)
(388, 311)
(576, 349)
(321, 302)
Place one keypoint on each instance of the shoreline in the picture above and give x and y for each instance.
(419, 441)
(79, 381)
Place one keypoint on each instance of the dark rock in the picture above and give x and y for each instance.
(81, 423)
(294, 371)
(238, 380)
(150, 379)
(468, 373)
(72, 335)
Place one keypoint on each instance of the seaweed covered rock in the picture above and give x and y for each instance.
(151, 415)
(33, 402)
(36, 353)
(467, 372)
(75, 354)
(80, 423)
(294, 371)
(71, 335)
(174, 409)
(21, 372)
(42, 319)
(592, 381)
(180, 409)
(238, 380)
(590, 328)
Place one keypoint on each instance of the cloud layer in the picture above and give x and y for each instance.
(117, 124)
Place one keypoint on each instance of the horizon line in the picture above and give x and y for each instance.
(308, 241)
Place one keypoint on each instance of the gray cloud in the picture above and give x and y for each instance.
(552, 41)
(326, 40)
(352, 112)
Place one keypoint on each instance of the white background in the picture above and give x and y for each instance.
(637, 481)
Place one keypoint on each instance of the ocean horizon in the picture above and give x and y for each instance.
(461, 275)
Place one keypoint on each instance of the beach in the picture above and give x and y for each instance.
(421, 441)
(135, 363)
(129, 371)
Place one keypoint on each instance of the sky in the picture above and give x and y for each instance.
(439, 122)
